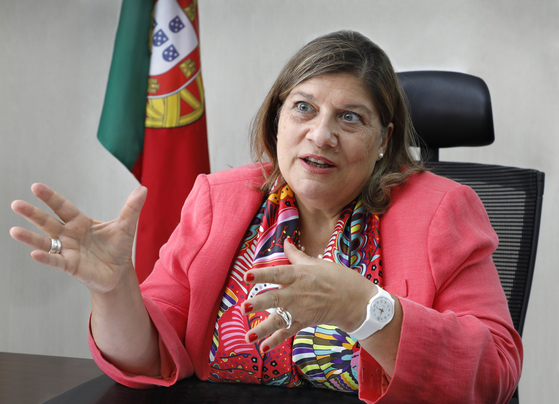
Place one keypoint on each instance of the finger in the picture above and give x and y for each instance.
(281, 275)
(264, 301)
(278, 337)
(63, 208)
(37, 217)
(33, 240)
(273, 328)
(42, 245)
(52, 260)
(284, 276)
(294, 255)
(39, 243)
(130, 212)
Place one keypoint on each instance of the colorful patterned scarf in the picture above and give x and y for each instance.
(323, 355)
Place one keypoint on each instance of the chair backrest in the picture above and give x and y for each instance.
(454, 109)
(448, 109)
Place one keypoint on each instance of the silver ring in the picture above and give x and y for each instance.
(55, 246)
(286, 315)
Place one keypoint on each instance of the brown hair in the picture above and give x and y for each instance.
(345, 52)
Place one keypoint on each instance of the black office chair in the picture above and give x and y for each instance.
(453, 109)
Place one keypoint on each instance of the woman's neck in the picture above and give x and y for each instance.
(316, 227)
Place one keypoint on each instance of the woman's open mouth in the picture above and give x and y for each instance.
(317, 162)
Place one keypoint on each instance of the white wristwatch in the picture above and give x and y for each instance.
(380, 311)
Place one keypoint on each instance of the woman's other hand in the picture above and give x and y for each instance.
(99, 255)
(96, 254)
(314, 292)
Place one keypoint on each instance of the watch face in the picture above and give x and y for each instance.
(382, 310)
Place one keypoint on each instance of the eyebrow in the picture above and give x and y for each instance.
(345, 106)
(306, 95)
(358, 106)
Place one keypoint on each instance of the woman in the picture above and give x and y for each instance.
(336, 260)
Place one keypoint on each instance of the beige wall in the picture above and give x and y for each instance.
(55, 56)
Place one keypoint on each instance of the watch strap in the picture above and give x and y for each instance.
(370, 325)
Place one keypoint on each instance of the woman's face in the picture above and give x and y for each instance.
(329, 139)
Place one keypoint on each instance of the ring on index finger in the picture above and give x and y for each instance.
(286, 315)
(55, 246)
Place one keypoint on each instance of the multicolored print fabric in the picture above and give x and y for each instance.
(323, 355)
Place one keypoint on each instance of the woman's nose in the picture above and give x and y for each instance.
(324, 132)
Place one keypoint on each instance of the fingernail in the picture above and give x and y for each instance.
(252, 337)
(249, 277)
(248, 307)
(265, 348)
(290, 241)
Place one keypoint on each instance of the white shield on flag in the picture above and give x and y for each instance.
(175, 95)
(173, 39)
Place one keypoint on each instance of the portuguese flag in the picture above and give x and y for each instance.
(153, 117)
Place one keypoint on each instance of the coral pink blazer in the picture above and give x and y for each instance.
(458, 344)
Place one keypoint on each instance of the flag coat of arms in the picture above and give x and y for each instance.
(153, 117)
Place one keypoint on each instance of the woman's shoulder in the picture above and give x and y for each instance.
(428, 190)
(430, 182)
(425, 197)
(250, 174)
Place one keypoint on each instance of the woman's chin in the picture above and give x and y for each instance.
(316, 194)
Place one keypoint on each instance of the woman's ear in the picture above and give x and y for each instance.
(386, 137)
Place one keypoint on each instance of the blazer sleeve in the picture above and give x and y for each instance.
(463, 347)
(166, 294)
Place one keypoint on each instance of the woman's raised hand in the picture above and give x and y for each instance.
(314, 292)
(97, 254)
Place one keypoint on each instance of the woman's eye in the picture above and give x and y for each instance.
(303, 106)
(351, 117)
